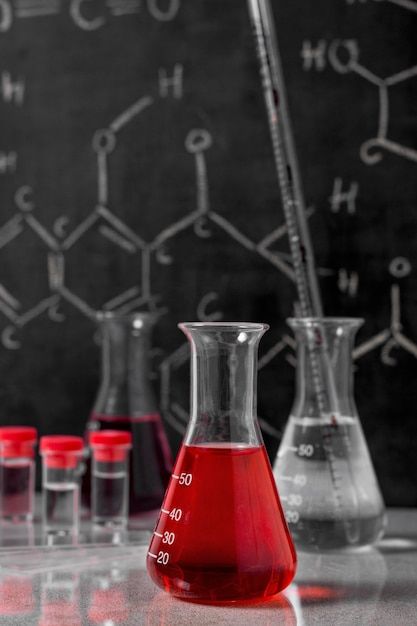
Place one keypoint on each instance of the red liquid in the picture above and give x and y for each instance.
(150, 459)
(230, 540)
(16, 488)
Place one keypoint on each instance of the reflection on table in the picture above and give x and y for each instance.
(101, 579)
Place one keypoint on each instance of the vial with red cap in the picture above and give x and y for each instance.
(110, 477)
(62, 456)
(17, 469)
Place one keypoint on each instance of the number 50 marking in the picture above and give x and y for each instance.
(305, 449)
(185, 479)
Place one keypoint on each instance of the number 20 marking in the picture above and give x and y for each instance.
(163, 557)
(292, 517)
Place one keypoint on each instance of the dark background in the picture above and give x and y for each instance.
(219, 264)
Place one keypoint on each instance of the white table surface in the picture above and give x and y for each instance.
(108, 585)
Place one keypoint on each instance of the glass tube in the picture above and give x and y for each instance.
(60, 482)
(17, 468)
(110, 477)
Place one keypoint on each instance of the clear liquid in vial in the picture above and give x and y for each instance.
(109, 497)
(16, 492)
(61, 506)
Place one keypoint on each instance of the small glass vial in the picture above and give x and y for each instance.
(17, 469)
(62, 455)
(110, 477)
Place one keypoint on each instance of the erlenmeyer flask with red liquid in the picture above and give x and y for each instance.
(125, 401)
(221, 535)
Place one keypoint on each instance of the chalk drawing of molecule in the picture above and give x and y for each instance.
(391, 338)
(411, 5)
(343, 56)
(85, 16)
(59, 242)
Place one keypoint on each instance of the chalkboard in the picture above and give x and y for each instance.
(136, 172)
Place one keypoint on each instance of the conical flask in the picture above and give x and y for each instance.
(125, 401)
(323, 468)
(221, 534)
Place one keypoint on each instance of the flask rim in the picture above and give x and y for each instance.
(226, 326)
(112, 316)
(297, 322)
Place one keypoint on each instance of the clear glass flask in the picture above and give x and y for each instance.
(62, 456)
(110, 477)
(221, 534)
(17, 472)
(323, 468)
(125, 401)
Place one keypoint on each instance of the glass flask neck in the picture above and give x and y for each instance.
(125, 388)
(324, 373)
(223, 382)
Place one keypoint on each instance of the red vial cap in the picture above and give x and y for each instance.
(110, 445)
(61, 451)
(17, 441)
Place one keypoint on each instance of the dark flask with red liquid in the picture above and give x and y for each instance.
(221, 535)
(125, 401)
